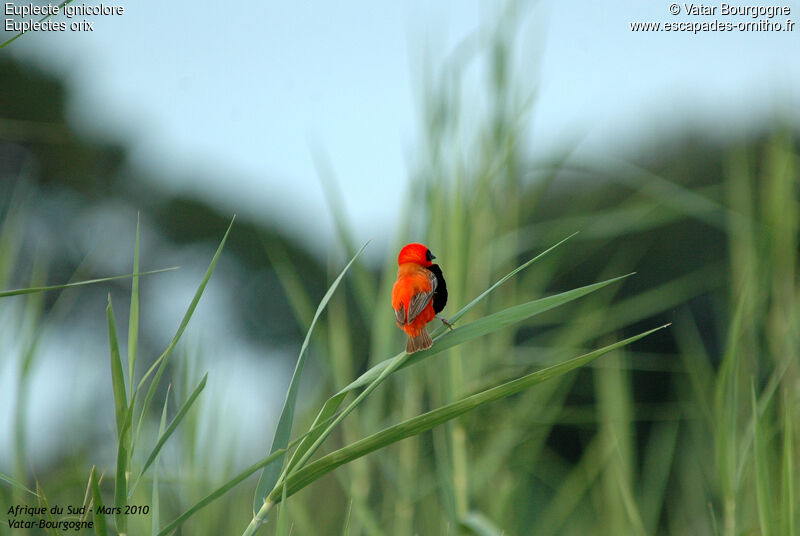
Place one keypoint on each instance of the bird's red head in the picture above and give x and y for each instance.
(416, 253)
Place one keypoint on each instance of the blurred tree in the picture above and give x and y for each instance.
(59, 176)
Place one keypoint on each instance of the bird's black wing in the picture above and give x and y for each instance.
(440, 288)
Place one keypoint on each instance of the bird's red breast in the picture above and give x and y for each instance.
(414, 284)
(413, 295)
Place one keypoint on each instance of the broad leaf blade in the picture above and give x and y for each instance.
(484, 326)
(378, 373)
(426, 421)
(332, 404)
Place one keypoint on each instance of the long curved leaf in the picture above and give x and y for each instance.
(373, 377)
(33, 290)
(133, 317)
(431, 419)
(332, 404)
(117, 378)
(99, 517)
(159, 365)
(17, 484)
(171, 428)
(280, 440)
(211, 497)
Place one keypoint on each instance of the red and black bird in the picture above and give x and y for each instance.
(419, 293)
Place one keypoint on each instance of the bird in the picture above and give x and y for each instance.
(418, 295)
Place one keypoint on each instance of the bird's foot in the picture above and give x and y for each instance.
(446, 322)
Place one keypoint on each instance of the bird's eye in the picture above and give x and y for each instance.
(429, 256)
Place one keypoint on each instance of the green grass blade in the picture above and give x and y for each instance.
(32, 290)
(427, 421)
(17, 36)
(572, 487)
(326, 414)
(11, 237)
(763, 485)
(658, 461)
(314, 441)
(121, 481)
(362, 282)
(100, 528)
(156, 515)
(505, 278)
(485, 325)
(214, 495)
(685, 200)
(374, 376)
(635, 524)
(16, 484)
(477, 523)
(788, 500)
(123, 417)
(171, 429)
(117, 379)
(42, 498)
(330, 407)
(133, 318)
(283, 517)
(162, 360)
(292, 285)
(726, 411)
(346, 529)
(283, 432)
(219, 492)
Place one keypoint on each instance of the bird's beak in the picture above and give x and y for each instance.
(433, 256)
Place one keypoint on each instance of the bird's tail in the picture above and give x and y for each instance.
(422, 341)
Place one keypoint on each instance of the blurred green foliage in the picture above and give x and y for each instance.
(691, 431)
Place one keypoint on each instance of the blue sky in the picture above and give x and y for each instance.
(228, 99)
